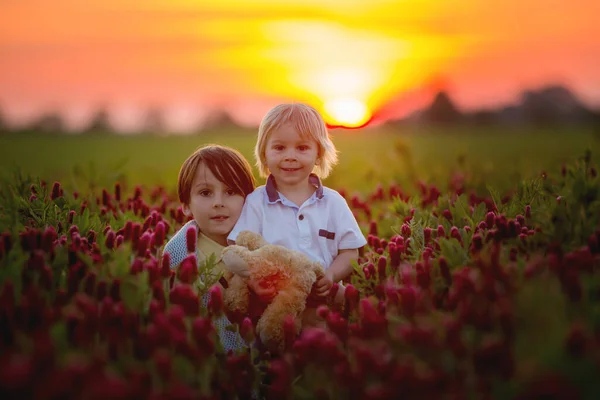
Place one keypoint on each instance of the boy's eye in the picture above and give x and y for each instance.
(204, 192)
(231, 192)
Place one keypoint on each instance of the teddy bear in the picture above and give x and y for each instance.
(291, 272)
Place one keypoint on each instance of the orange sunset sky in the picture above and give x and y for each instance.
(348, 58)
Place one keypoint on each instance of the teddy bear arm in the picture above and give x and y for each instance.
(319, 270)
(234, 257)
(236, 295)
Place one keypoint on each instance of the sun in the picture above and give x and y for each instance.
(348, 112)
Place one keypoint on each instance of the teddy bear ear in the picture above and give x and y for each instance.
(250, 240)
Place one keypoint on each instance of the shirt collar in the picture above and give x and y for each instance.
(273, 194)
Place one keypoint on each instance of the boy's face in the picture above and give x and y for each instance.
(214, 206)
(289, 157)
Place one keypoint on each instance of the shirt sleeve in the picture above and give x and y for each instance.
(351, 236)
(250, 218)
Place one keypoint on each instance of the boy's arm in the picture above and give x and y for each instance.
(341, 267)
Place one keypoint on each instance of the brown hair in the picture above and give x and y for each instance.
(228, 165)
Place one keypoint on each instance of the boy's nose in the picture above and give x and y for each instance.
(218, 201)
(290, 155)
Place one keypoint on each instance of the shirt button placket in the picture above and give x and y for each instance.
(303, 229)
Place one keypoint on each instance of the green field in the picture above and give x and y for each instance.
(455, 296)
(367, 157)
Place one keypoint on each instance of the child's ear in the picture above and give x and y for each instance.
(186, 210)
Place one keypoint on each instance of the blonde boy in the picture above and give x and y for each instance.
(294, 151)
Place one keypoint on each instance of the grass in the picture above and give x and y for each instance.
(367, 157)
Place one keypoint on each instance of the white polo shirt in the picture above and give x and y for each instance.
(319, 228)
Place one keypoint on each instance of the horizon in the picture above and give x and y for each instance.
(349, 59)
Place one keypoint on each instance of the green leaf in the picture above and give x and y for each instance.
(453, 251)
(495, 197)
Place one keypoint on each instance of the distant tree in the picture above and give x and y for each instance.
(442, 110)
(50, 122)
(219, 119)
(484, 117)
(99, 123)
(153, 122)
(553, 104)
(3, 124)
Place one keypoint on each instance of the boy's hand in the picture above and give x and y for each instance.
(265, 294)
(323, 285)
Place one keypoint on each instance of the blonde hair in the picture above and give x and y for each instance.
(308, 123)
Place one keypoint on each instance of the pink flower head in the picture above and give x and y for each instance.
(202, 332)
(373, 228)
(381, 268)
(447, 214)
(136, 232)
(188, 270)
(48, 239)
(147, 224)
(290, 330)
(128, 230)
(56, 191)
(334, 289)
(163, 363)
(165, 269)
(490, 218)
(118, 192)
(191, 238)
(282, 377)
(441, 232)
(136, 267)
(408, 299)
(110, 239)
(215, 303)
(454, 233)
(186, 298)
(394, 251)
(247, 330)
(352, 296)
(159, 234)
(477, 242)
(405, 230)
(427, 234)
(373, 324)
(144, 244)
(423, 278)
(105, 198)
(481, 226)
(115, 290)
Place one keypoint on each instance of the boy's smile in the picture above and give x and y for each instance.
(290, 157)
